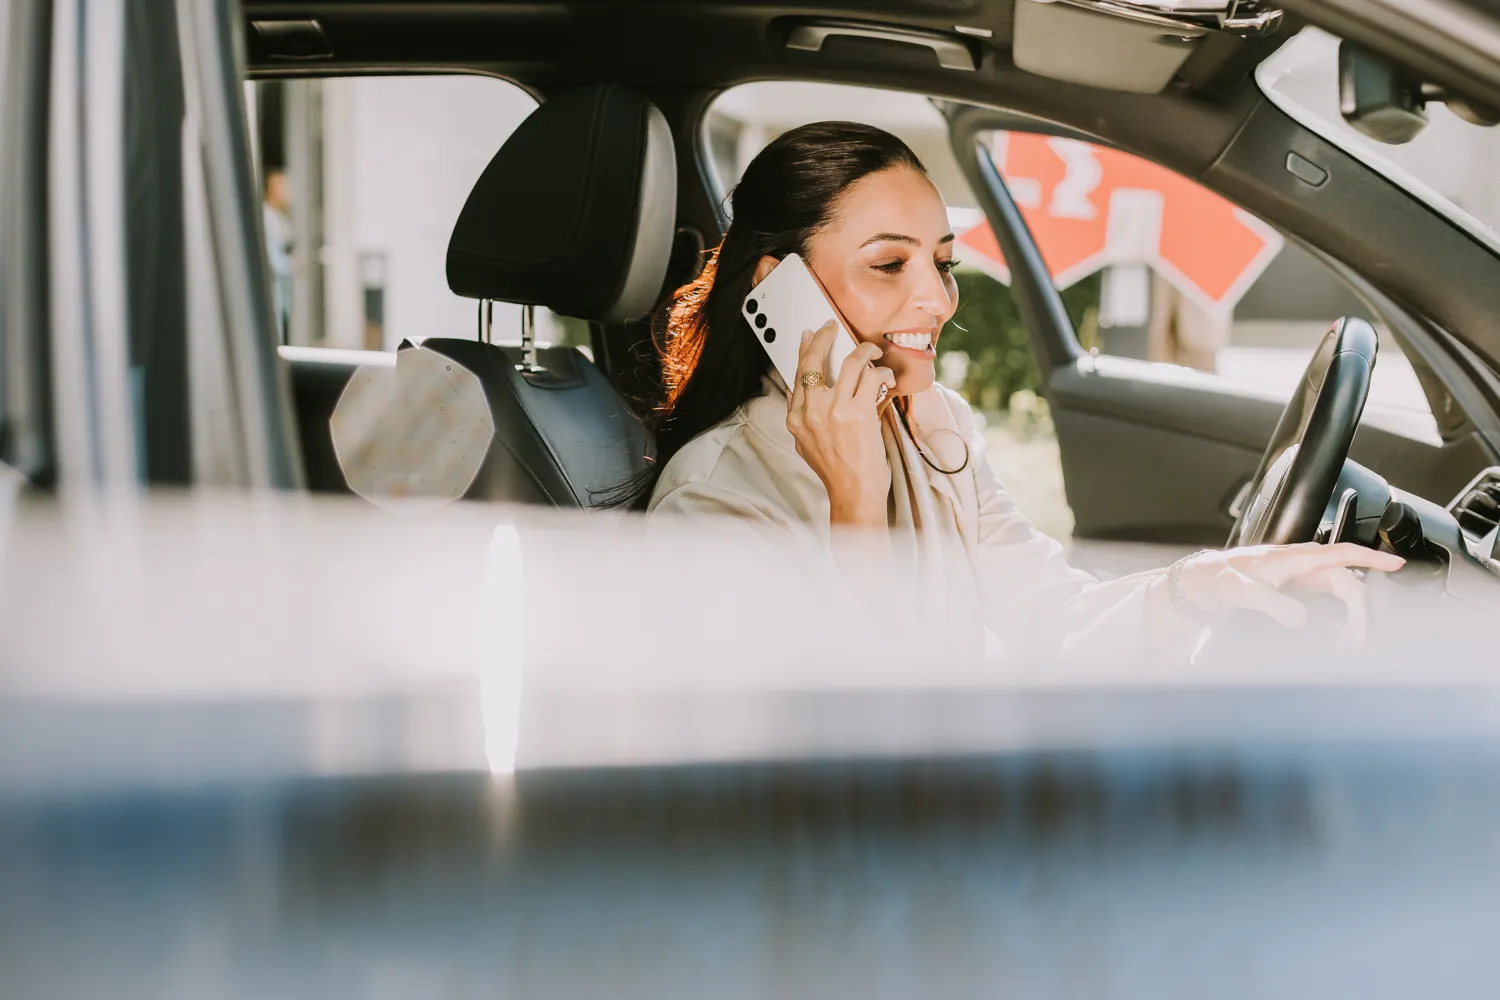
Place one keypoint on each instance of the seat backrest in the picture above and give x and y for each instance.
(563, 435)
(575, 213)
(591, 445)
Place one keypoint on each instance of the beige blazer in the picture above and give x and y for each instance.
(968, 558)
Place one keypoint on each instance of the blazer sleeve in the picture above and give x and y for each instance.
(1035, 603)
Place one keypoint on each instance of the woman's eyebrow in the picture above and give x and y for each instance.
(901, 238)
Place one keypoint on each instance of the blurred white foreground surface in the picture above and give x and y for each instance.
(331, 637)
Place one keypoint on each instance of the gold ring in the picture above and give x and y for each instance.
(812, 380)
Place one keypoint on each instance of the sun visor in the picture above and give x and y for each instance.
(1076, 43)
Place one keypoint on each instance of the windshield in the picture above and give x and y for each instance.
(1450, 165)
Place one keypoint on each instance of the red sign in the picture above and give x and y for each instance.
(1089, 207)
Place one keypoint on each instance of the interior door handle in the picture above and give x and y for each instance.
(951, 53)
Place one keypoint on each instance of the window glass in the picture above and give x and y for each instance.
(1156, 267)
(362, 180)
(984, 352)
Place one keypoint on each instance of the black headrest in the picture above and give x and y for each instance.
(576, 210)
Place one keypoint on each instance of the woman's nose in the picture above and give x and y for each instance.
(931, 292)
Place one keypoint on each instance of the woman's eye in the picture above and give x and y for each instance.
(947, 266)
(892, 267)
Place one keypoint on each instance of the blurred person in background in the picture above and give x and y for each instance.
(1181, 332)
(276, 209)
(880, 455)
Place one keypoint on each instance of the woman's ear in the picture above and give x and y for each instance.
(763, 267)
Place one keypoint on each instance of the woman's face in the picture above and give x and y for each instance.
(887, 262)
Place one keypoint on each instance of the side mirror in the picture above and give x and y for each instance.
(1376, 98)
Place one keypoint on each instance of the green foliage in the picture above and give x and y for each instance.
(988, 329)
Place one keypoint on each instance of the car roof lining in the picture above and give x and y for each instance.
(715, 45)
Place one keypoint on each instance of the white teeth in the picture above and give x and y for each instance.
(914, 341)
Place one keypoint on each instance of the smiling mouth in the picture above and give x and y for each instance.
(920, 343)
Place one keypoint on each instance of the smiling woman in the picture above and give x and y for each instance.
(878, 467)
(786, 204)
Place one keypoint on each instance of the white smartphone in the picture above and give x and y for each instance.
(785, 303)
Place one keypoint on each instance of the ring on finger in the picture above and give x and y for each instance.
(885, 391)
(812, 380)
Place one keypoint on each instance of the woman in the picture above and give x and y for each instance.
(904, 478)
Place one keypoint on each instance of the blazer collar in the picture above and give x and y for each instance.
(767, 413)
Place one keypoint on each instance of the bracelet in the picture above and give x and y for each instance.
(1181, 604)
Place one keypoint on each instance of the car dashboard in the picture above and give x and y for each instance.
(1477, 511)
(1457, 544)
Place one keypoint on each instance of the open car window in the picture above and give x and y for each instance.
(1156, 267)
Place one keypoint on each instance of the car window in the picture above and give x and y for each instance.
(362, 179)
(1155, 266)
(1150, 265)
(984, 352)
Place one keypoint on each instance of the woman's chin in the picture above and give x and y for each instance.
(914, 380)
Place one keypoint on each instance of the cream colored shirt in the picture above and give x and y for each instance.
(970, 560)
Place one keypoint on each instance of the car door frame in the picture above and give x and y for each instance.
(1103, 390)
(92, 145)
(25, 392)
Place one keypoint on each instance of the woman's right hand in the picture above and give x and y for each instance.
(837, 429)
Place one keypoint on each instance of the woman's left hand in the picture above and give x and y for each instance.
(1252, 578)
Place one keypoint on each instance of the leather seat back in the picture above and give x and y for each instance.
(563, 435)
(574, 213)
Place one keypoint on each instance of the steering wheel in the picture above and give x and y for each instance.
(1301, 466)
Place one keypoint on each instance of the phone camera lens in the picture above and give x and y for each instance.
(760, 320)
(770, 335)
(752, 307)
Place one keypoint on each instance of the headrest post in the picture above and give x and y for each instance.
(528, 339)
(486, 321)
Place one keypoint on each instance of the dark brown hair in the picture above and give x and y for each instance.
(711, 362)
